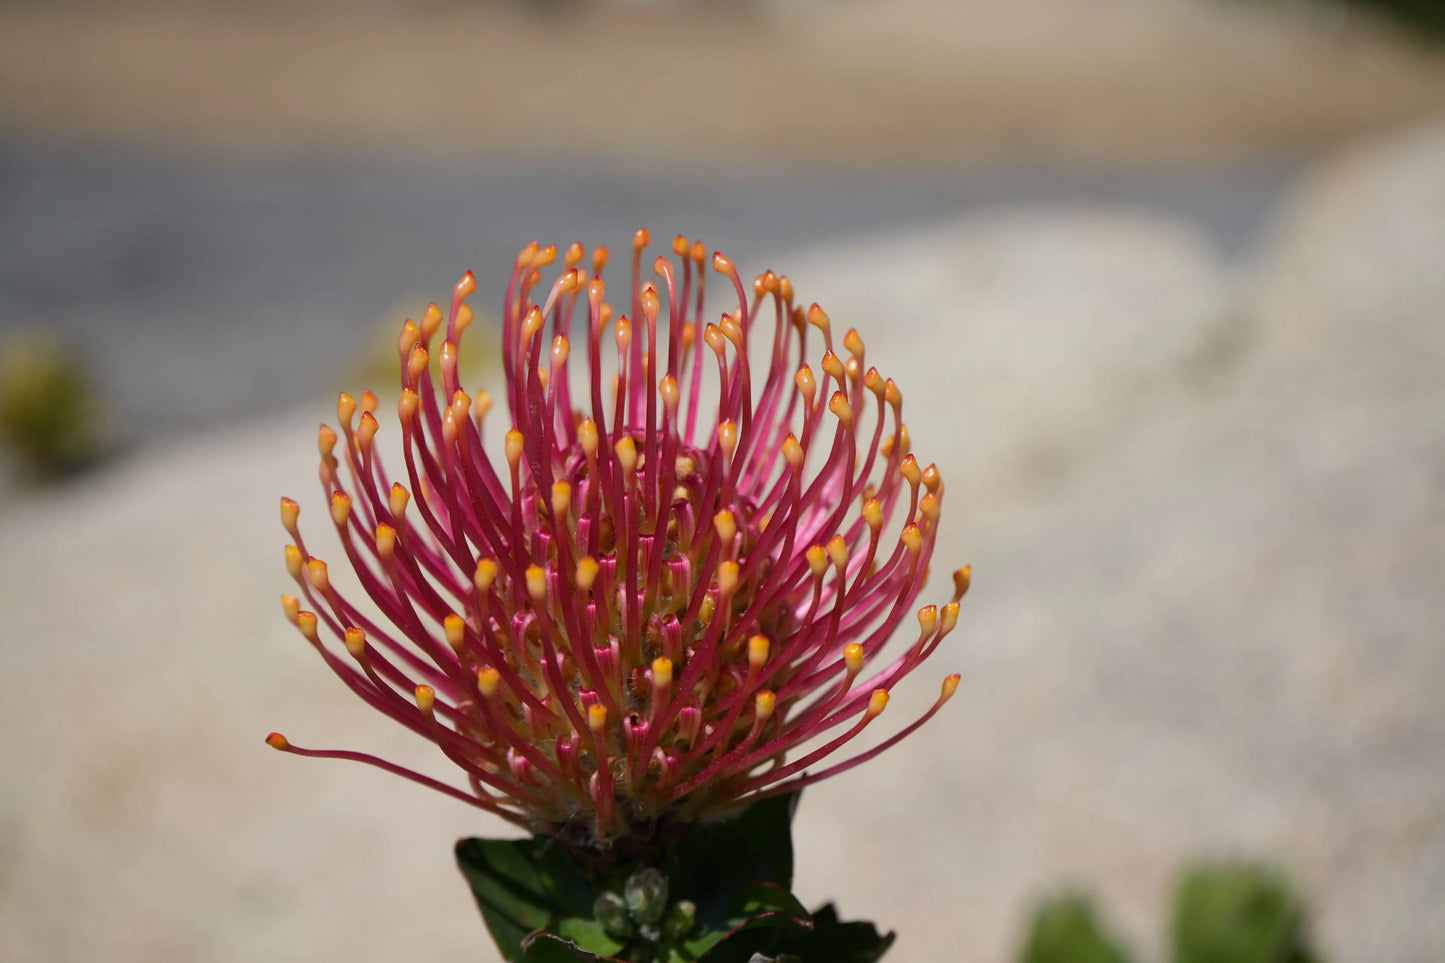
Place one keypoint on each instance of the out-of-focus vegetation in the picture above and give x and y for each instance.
(1225, 913)
(1067, 930)
(1239, 914)
(1426, 16)
(49, 419)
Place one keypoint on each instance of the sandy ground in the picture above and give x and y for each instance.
(906, 82)
(1203, 508)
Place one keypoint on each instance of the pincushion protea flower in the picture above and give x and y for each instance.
(680, 574)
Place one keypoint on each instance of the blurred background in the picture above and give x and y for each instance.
(1163, 282)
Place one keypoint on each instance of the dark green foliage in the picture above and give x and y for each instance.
(719, 895)
(1067, 930)
(1426, 16)
(1238, 914)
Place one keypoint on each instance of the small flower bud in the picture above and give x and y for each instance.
(646, 895)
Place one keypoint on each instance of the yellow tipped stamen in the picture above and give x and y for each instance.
(368, 402)
(727, 437)
(852, 342)
(839, 406)
(950, 686)
(727, 578)
(485, 575)
(325, 440)
(622, 332)
(345, 408)
(513, 446)
(306, 622)
(561, 500)
(853, 659)
(488, 679)
(367, 431)
(793, 453)
(316, 571)
(385, 542)
(806, 383)
(661, 672)
(481, 405)
(931, 478)
(416, 363)
(763, 705)
(671, 397)
(277, 741)
(456, 630)
(290, 605)
(892, 395)
(532, 323)
(873, 514)
(928, 506)
(398, 501)
(732, 331)
(912, 538)
(574, 256)
(948, 617)
(928, 619)
(838, 552)
(406, 405)
(294, 561)
(466, 287)
(706, 610)
(587, 437)
(873, 381)
(910, 470)
(649, 302)
(340, 508)
(680, 246)
(712, 336)
(641, 238)
(536, 582)
(290, 511)
(961, 580)
(726, 526)
(587, 569)
(465, 317)
(721, 264)
(817, 557)
(758, 647)
(832, 366)
(877, 702)
(545, 256)
(561, 348)
(410, 335)
(818, 318)
(356, 642)
(626, 450)
(431, 322)
(597, 717)
(785, 288)
(426, 698)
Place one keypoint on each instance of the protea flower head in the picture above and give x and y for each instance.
(668, 596)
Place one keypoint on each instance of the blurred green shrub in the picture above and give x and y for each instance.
(48, 414)
(1223, 913)
(1067, 930)
(1235, 913)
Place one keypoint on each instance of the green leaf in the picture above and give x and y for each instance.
(1067, 930)
(525, 885)
(856, 942)
(715, 862)
(1239, 914)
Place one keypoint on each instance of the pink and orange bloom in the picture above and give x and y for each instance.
(664, 593)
